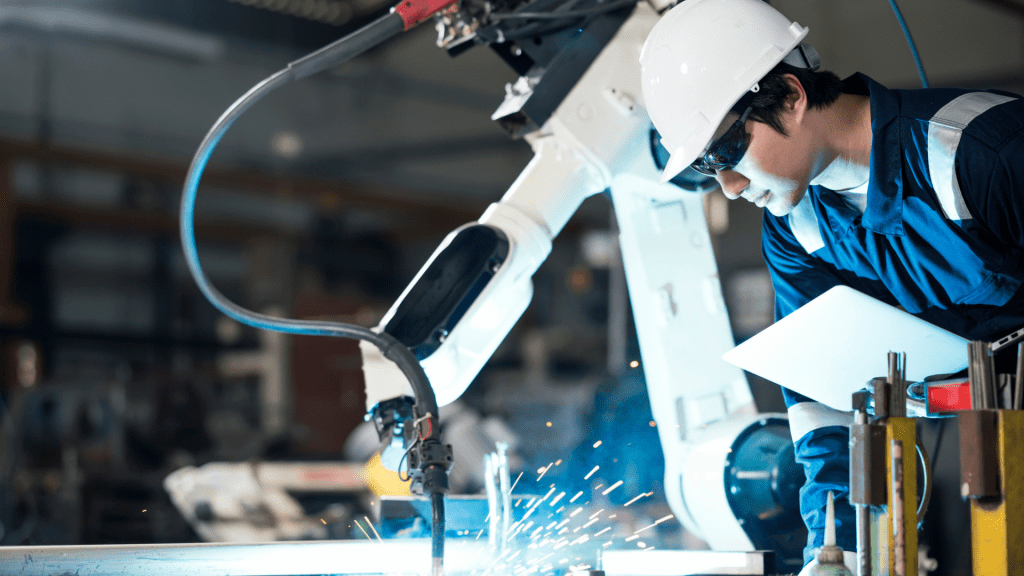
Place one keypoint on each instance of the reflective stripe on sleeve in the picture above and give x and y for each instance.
(804, 223)
(944, 132)
(806, 417)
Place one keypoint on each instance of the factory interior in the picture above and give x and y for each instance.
(143, 430)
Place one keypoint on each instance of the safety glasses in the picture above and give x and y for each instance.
(727, 151)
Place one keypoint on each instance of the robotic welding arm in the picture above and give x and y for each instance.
(466, 298)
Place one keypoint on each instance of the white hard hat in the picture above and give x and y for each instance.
(700, 59)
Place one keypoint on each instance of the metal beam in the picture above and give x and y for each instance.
(327, 195)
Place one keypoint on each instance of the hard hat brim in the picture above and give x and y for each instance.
(684, 155)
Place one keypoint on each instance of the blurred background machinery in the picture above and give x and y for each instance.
(323, 202)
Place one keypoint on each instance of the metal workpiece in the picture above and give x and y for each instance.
(899, 534)
(863, 520)
(867, 477)
(686, 562)
(1018, 384)
(361, 557)
(883, 396)
(867, 463)
(981, 372)
(1005, 396)
(861, 401)
(897, 384)
(979, 460)
(903, 525)
(974, 377)
(997, 524)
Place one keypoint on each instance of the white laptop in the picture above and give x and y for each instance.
(835, 344)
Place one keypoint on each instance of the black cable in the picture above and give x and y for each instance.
(600, 9)
(938, 441)
(929, 482)
(327, 57)
(910, 42)
(348, 47)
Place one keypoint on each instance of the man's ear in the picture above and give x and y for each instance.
(796, 100)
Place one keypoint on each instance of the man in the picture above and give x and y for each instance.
(910, 196)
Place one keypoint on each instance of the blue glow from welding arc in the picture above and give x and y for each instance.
(630, 448)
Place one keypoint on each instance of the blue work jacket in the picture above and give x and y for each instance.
(942, 235)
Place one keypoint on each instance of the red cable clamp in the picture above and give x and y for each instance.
(415, 11)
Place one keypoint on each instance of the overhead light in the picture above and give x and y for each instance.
(286, 144)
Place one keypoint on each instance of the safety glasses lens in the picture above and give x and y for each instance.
(726, 152)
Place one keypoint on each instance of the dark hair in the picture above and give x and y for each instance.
(822, 88)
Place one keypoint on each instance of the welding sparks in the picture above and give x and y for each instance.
(591, 473)
(597, 513)
(633, 537)
(576, 511)
(598, 443)
(580, 540)
(544, 471)
(645, 495)
(659, 521)
(514, 483)
(549, 424)
(602, 531)
(612, 487)
(370, 524)
(578, 494)
(557, 498)
(324, 521)
(360, 526)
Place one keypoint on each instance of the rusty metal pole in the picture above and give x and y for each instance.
(898, 526)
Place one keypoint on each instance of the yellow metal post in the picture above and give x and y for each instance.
(997, 525)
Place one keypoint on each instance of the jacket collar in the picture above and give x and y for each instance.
(884, 211)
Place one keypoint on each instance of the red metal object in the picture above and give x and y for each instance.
(415, 11)
(952, 397)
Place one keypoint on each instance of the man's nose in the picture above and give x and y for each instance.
(733, 183)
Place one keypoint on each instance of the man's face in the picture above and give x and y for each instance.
(775, 171)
